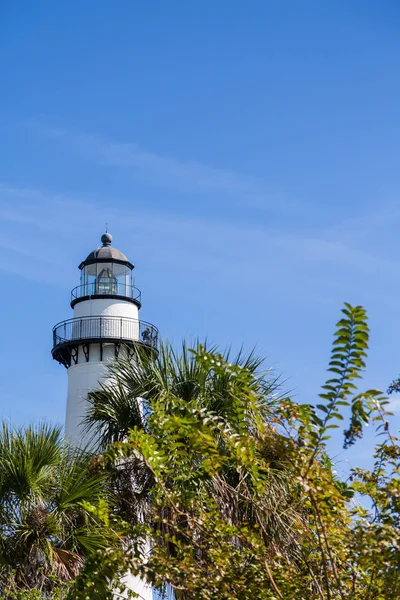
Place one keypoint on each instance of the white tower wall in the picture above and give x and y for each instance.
(87, 374)
(110, 307)
(82, 378)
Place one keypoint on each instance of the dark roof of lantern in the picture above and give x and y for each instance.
(106, 253)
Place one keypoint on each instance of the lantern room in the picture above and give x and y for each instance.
(106, 272)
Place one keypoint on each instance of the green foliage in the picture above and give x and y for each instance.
(59, 592)
(347, 363)
(217, 487)
(45, 531)
(242, 499)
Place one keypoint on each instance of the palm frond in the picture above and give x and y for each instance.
(124, 401)
(44, 525)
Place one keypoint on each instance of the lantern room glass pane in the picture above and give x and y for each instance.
(106, 282)
(106, 278)
(90, 274)
(119, 272)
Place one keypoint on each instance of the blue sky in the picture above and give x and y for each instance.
(245, 155)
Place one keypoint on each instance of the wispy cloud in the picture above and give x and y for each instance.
(319, 263)
(221, 249)
(166, 171)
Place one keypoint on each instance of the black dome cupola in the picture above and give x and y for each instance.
(106, 253)
(106, 272)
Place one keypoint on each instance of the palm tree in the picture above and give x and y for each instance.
(123, 402)
(45, 531)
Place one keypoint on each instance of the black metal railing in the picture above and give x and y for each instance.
(112, 288)
(105, 328)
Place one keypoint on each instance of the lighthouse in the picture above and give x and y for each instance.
(104, 327)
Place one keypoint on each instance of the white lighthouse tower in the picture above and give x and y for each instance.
(105, 325)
